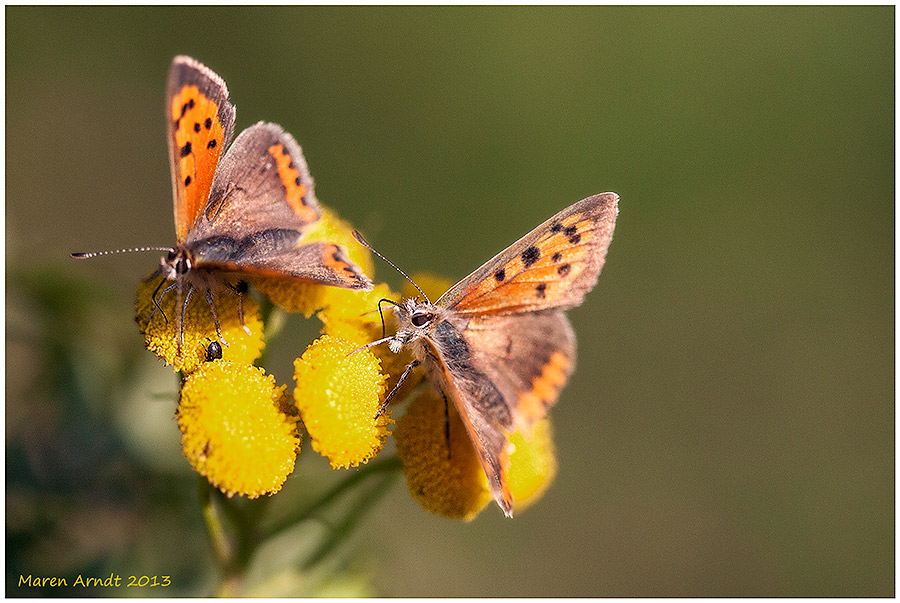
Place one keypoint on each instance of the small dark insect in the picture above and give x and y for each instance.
(214, 351)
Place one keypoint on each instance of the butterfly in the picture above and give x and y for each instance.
(244, 215)
(497, 344)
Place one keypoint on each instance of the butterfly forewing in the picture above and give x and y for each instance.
(553, 266)
(200, 122)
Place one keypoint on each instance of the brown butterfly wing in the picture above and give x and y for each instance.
(322, 263)
(528, 358)
(481, 406)
(261, 203)
(263, 182)
(199, 122)
(553, 266)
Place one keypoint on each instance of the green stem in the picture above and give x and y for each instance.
(232, 548)
(352, 519)
(386, 465)
(218, 540)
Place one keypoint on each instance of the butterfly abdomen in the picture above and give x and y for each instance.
(225, 249)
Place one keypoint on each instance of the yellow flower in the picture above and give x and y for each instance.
(434, 286)
(532, 464)
(237, 428)
(454, 484)
(338, 396)
(308, 298)
(161, 332)
(448, 482)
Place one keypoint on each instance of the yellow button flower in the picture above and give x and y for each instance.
(337, 396)
(161, 331)
(237, 428)
(454, 484)
(447, 482)
(532, 464)
(433, 285)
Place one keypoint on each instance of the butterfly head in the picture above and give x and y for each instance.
(416, 319)
(176, 264)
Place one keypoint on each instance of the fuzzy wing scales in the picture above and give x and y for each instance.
(552, 267)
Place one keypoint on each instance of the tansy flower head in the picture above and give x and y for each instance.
(433, 285)
(532, 464)
(161, 331)
(338, 396)
(296, 296)
(448, 482)
(237, 429)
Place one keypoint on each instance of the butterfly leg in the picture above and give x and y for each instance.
(187, 298)
(446, 422)
(156, 305)
(390, 396)
(152, 276)
(215, 316)
(389, 301)
(241, 288)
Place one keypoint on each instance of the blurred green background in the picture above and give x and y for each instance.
(730, 428)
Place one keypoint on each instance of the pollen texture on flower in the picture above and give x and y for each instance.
(532, 464)
(161, 331)
(337, 396)
(448, 482)
(237, 429)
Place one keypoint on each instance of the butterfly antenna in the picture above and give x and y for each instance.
(93, 254)
(360, 238)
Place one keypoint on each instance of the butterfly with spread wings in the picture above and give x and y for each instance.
(497, 344)
(241, 217)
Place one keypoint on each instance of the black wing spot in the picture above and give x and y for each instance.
(186, 149)
(564, 270)
(211, 144)
(530, 256)
(197, 129)
(297, 180)
(500, 275)
(208, 123)
(556, 257)
(572, 233)
(541, 290)
(187, 181)
(556, 227)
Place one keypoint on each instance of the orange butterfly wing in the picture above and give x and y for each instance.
(200, 122)
(553, 266)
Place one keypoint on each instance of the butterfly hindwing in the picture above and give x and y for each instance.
(200, 122)
(322, 263)
(261, 204)
(553, 266)
(502, 374)
(262, 183)
(528, 358)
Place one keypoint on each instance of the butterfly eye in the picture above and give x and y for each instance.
(183, 265)
(420, 320)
